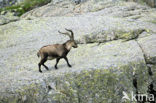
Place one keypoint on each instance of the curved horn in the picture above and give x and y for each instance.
(72, 34)
(66, 33)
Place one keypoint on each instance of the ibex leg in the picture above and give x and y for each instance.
(43, 60)
(67, 61)
(57, 60)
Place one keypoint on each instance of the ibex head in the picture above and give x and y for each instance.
(71, 36)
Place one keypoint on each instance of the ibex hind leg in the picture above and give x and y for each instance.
(43, 60)
(45, 66)
(39, 66)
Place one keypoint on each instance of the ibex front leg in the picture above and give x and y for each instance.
(67, 61)
(57, 60)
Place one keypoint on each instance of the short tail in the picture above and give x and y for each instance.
(38, 54)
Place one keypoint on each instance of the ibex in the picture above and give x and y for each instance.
(57, 51)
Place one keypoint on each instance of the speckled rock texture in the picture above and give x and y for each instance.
(7, 19)
(151, 3)
(116, 53)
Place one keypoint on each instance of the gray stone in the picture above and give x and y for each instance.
(88, 60)
(151, 3)
(68, 8)
(148, 46)
(7, 19)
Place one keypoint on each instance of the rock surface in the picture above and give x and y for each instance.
(5, 19)
(148, 46)
(116, 53)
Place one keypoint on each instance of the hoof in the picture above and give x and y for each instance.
(56, 67)
(40, 71)
(69, 66)
(47, 68)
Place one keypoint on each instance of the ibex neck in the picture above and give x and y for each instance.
(67, 45)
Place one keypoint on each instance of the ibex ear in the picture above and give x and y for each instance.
(72, 34)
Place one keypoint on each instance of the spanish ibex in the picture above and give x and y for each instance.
(57, 51)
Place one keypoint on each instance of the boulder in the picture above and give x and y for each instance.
(148, 46)
(99, 73)
(69, 8)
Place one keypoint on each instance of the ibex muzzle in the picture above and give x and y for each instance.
(57, 51)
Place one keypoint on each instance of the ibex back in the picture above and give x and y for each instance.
(57, 51)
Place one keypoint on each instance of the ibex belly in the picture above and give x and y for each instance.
(51, 58)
